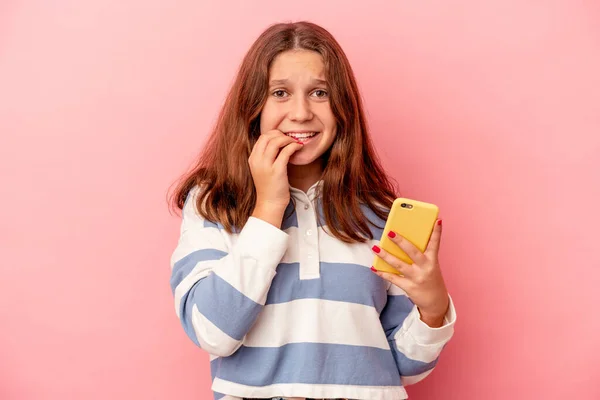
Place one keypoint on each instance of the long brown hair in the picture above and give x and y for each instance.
(352, 175)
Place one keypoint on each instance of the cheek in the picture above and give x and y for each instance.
(270, 118)
(264, 122)
(327, 118)
(330, 141)
(331, 125)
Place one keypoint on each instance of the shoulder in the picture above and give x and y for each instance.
(191, 213)
(190, 210)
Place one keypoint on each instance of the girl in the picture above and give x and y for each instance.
(272, 274)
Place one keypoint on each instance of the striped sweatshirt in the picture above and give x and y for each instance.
(295, 312)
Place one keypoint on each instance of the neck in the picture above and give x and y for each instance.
(304, 176)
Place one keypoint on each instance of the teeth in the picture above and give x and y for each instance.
(301, 135)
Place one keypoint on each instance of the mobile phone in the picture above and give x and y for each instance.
(414, 220)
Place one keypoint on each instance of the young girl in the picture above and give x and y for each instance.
(272, 274)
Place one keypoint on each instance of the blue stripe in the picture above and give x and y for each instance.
(395, 312)
(349, 283)
(290, 217)
(320, 213)
(223, 305)
(311, 363)
(218, 396)
(183, 267)
(210, 224)
(407, 366)
(375, 223)
(392, 318)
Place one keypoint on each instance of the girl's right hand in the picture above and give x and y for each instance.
(268, 164)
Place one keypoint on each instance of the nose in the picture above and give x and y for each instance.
(300, 110)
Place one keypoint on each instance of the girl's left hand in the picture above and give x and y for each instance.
(422, 281)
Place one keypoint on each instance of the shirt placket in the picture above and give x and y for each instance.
(308, 236)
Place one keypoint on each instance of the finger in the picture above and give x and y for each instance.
(410, 249)
(263, 141)
(259, 147)
(400, 281)
(402, 267)
(433, 247)
(284, 155)
(275, 145)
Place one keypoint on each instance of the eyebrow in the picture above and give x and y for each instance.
(275, 82)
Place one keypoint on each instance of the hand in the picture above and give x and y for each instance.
(268, 164)
(422, 281)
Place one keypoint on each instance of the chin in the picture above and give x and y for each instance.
(299, 162)
(301, 159)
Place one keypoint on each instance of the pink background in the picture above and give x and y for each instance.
(490, 109)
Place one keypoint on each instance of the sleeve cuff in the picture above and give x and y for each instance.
(263, 242)
(426, 335)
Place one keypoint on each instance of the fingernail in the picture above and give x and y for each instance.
(439, 221)
(392, 234)
(376, 249)
(373, 269)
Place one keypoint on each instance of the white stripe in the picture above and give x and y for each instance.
(201, 270)
(317, 321)
(411, 380)
(310, 390)
(193, 235)
(198, 238)
(336, 250)
(292, 253)
(210, 337)
(340, 252)
(246, 275)
(411, 346)
(243, 279)
(262, 241)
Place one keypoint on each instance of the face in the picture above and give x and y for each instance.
(298, 104)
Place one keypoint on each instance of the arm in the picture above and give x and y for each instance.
(220, 291)
(415, 346)
(419, 317)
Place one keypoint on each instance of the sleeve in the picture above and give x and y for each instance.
(220, 291)
(416, 347)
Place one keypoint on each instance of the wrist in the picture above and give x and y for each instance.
(434, 318)
(433, 321)
(269, 213)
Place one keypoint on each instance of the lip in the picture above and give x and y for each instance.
(303, 131)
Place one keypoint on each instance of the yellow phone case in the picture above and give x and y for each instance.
(413, 221)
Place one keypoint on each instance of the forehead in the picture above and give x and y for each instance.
(297, 64)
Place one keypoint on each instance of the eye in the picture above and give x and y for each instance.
(320, 93)
(280, 93)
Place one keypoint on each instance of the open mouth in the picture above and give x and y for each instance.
(303, 137)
